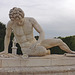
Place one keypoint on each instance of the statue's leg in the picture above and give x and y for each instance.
(48, 43)
(38, 51)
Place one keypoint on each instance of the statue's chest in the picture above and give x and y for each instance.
(22, 30)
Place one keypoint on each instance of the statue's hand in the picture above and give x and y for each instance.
(4, 52)
(33, 46)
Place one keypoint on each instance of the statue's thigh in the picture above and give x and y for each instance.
(26, 50)
(48, 43)
(39, 50)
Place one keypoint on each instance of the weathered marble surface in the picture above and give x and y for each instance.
(46, 65)
(48, 60)
(54, 70)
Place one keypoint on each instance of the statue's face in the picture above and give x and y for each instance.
(16, 14)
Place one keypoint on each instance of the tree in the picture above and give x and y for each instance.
(2, 35)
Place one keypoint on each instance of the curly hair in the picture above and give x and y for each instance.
(16, 14)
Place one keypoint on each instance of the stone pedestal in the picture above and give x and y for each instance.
(46, 65)
(14, 50)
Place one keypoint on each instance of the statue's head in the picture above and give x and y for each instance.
(16, 14)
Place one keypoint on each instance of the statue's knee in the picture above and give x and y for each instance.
(41, 50)
(60, 41)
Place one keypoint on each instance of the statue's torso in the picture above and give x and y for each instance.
(24, 33)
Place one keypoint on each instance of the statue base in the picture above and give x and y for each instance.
(45, 65)
(69, 55)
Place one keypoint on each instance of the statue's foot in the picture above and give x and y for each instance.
(3, 52)
(73, 52)
(48, 52)
(24, 56)
(7, 55)
(69, 54)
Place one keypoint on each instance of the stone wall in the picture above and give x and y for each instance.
(46, 65)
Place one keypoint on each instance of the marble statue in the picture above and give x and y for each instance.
(22, 28)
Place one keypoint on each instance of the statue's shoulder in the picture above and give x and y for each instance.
(9, 24)
(29, 19)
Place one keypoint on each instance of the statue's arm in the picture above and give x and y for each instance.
(38, 28)
(7, 37)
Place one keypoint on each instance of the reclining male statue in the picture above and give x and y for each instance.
(22, 28)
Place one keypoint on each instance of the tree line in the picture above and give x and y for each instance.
(69, 40)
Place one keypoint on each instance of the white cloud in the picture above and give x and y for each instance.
(55, 16)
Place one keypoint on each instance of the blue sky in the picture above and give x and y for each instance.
(56, 17)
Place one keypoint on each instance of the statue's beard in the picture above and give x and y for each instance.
(20, 23)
